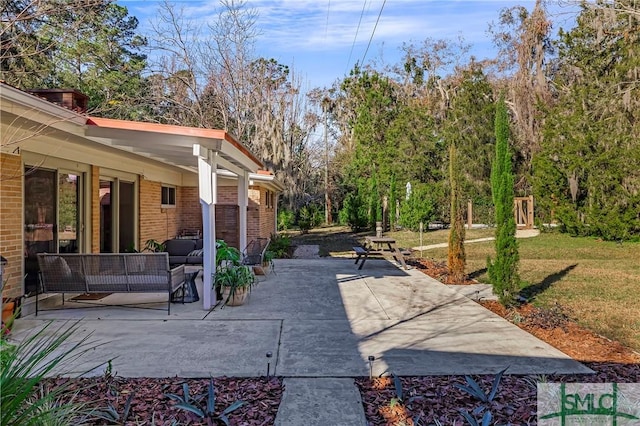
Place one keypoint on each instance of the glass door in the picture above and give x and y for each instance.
(52, 217)
(39, 221)
(117, 215)
(106, 216)
(69, 212)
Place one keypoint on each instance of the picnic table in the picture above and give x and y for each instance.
(380, 246)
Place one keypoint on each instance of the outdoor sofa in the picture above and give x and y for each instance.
(89, 273)
(184, 251)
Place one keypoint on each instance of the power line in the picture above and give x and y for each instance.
(374, 31)
(326, 27)
(364, 6)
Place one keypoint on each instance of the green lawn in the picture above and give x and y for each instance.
(597, 282)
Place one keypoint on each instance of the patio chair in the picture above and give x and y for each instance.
(253, 254)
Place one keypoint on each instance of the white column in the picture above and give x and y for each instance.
(243, 202)
(207, 179)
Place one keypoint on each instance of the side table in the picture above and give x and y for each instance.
(189, 290)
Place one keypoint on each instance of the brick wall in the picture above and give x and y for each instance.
(264, 221)
(95, 209)
(260, 219)
(157, 223)
(191, 217)
(11, 225)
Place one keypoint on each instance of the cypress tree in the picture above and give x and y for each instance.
(392, 202)
(503, 272)
(456, 257)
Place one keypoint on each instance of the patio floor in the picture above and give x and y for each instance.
(319, 318)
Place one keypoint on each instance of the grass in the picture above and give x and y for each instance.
(595, 281)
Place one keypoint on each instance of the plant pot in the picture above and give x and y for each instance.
(8, 310)
(239, 296)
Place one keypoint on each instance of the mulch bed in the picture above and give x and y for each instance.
(150, 405)
(435, 398)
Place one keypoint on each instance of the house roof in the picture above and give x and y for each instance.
(168, 144)
(172, 144)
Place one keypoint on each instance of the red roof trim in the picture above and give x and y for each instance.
(170, 129)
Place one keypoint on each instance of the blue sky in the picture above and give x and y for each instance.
(322, 40)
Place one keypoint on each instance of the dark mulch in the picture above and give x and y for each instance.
(150, 405)
(435, 398)
(438, 270)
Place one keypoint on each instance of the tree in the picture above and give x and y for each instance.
(524, 44)
(503, 271)
(456, 255)
(87, 45)
(210, 76)
(586, 172)
(393, 197)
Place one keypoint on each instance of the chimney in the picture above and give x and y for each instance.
(68, 98)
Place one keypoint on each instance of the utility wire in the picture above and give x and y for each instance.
(326, 27)
(374, 31)
(364, 6)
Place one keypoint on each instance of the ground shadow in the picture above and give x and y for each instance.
(475, 274)
(531, 291)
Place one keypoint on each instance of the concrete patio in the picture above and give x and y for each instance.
(321, 319)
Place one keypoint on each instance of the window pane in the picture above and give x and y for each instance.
(39, 220)
(69, 212)
(127, 219)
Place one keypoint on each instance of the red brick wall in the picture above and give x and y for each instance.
(264, 224)
(95, 209)
(191, 217)
(260, 219)
(157, 223)
(11, 225)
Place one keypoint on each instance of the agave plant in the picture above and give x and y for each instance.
(203, 405)
(25, 399)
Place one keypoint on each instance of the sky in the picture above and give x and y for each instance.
(323, 39)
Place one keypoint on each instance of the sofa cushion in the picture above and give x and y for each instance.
(179, 247)
(199, 244)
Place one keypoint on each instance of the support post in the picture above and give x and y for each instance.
(243, 203)
(469, 214)
(207, 164)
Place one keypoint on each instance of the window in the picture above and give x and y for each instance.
(168, 196)
(270, 199)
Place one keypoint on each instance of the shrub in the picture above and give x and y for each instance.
(420, 207)
(279, 246)
(24, 399)
(285, 219)
(354, 212)
(309, 216)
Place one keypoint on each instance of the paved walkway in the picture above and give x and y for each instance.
(520, 233)
(321, 319)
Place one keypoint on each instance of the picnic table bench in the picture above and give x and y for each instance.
(392, 251)
(88, 273)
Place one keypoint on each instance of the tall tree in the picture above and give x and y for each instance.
(456, 254)
(87, 45)
(524, 44)
(210, 76)
(503, 271)
(587, 172)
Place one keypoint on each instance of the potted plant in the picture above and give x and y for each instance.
(232, 281)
